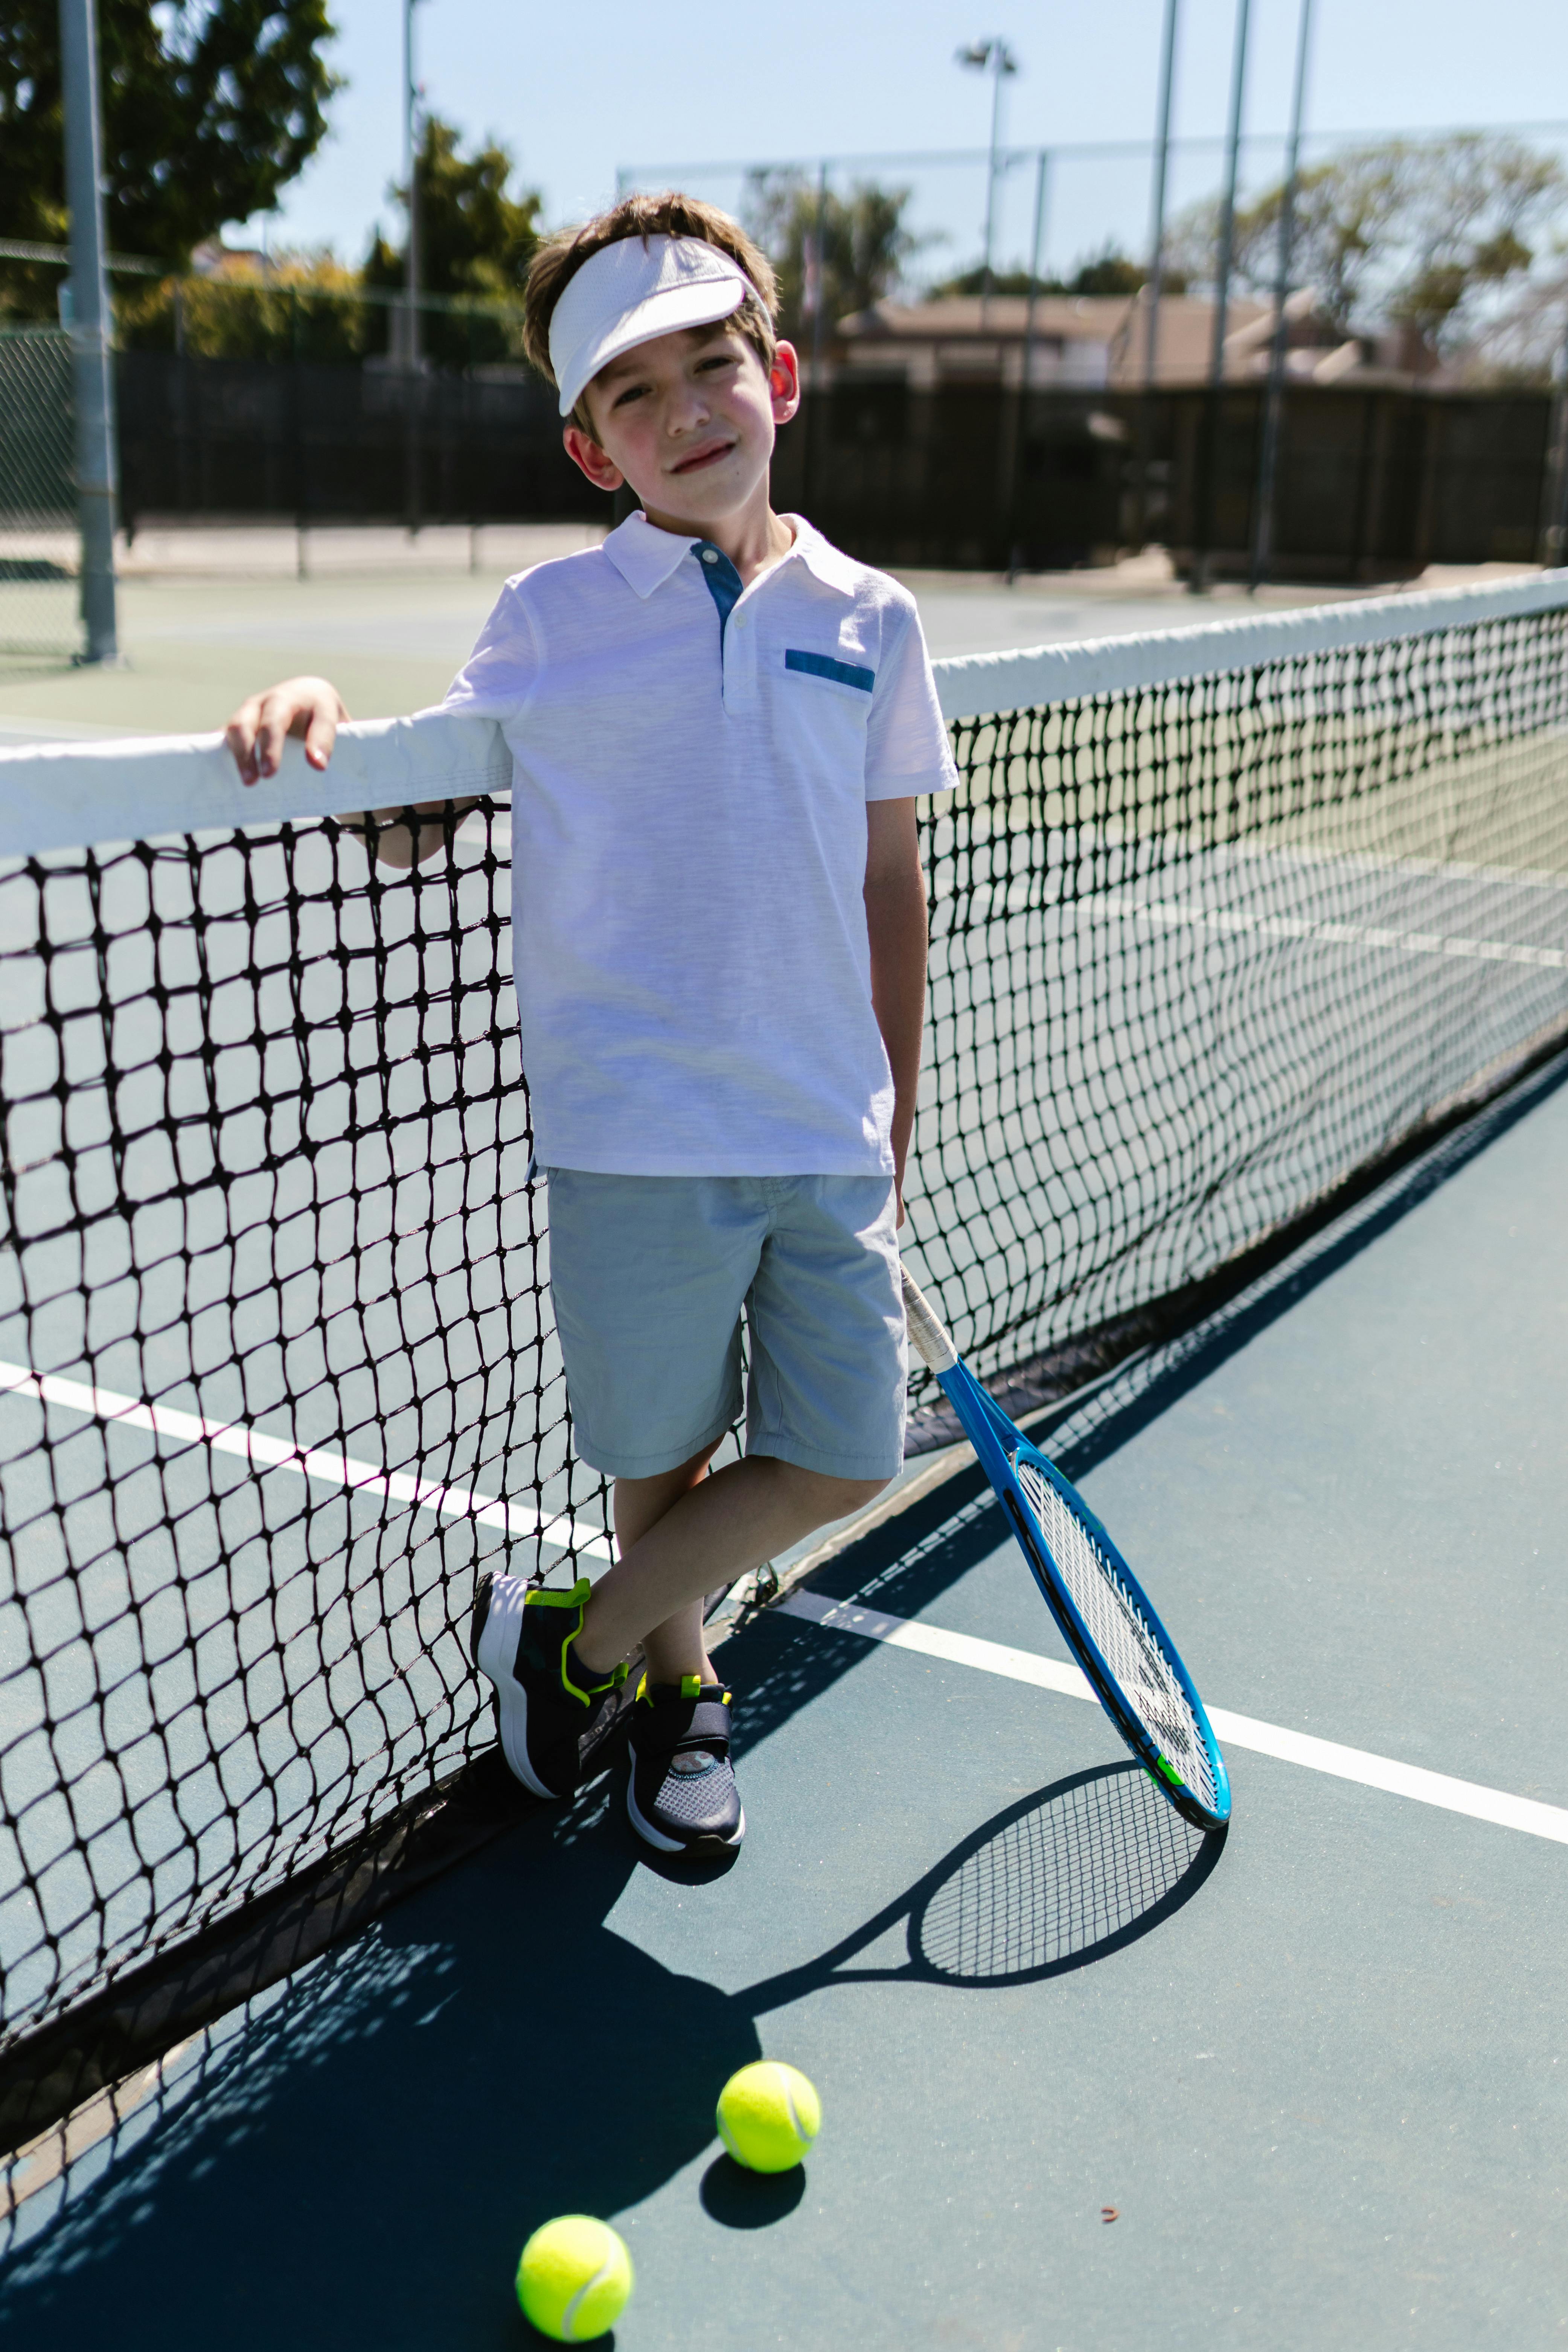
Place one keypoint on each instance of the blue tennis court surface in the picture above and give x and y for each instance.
(1088, 2082)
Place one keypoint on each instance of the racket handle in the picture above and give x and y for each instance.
(928, 1335)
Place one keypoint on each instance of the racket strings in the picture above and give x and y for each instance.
(1120, 1633)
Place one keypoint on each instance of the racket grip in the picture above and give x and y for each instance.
(928, 1335)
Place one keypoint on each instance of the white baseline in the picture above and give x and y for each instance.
(305, 1462)
(1232, 1730)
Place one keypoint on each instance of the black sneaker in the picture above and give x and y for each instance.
(522, 1638)
(682, 1795)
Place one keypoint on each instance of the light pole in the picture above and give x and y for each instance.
(413, 496)
(1269, 456)
(96, 482)
(995, 57)
(1156, 264)
(411, 170)
(1209, 467)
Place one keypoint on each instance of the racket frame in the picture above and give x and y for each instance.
(997, 1443)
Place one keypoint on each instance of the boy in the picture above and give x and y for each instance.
(719, 726)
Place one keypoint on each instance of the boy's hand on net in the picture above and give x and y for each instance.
(309, 707)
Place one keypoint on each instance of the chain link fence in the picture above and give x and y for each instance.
(40, 550)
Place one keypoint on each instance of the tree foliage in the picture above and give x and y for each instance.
(476, 239)
(866, 244)
(1109, 271)
(303, 306)
(1416, 233)
(210, 108)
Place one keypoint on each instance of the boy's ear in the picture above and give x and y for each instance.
(784, 383)
(589, 458)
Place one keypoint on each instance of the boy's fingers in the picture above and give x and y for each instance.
(283, 713)
(321, 734)
(239, 736)
(256, 733)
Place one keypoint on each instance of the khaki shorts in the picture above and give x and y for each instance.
(649, 1275)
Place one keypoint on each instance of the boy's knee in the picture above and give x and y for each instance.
(837, 1497)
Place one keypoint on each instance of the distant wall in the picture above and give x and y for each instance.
(341, 443)
(1372, 484)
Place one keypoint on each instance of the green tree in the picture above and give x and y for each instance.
(866, 244)
(1109, 271)
(304, 306)
(210, 108)
(476, 240)
(1416, 233)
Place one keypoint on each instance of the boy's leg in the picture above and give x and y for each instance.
(676, 1647)
(681, 1795)
(649, 1277)
(823, 1417)
(715, 1531)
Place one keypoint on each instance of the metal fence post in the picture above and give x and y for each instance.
(1269, 456)
(1208, 458)
(1554, 505)
(1156, 264)
(89, 327)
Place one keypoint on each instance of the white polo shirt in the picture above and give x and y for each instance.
(688, 849)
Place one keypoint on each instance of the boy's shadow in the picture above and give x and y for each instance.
(366, 2155)
(365, 2164)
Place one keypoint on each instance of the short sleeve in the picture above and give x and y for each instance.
(498, 675)
(907, 746)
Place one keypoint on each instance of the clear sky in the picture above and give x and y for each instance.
(577, 93)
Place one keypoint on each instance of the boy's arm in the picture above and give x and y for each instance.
(896, 924)
(313, 709)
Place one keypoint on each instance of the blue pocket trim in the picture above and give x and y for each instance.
(824, 665)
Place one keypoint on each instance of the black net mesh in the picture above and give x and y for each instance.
(276, 1368)
(1201, 950)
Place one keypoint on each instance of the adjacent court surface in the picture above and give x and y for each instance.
(208, 617)
(1089, 2083)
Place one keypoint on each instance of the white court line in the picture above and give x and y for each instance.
(1174, 914)
(277, 1454)
(1232, 1730)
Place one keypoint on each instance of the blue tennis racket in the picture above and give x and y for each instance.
(1099, 1604)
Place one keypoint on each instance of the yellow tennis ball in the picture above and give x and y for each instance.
(574, 2278)
(768, 2116)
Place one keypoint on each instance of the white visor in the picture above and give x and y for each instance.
(631, 292)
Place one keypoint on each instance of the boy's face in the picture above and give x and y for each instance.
(688, 420)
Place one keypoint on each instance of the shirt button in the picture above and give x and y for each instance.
(710, 555)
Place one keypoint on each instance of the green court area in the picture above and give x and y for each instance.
(207, 616)
(1091, 2084)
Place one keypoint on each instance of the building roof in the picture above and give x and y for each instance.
(961, 328)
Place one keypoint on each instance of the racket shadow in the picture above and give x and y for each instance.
(1056, 1881)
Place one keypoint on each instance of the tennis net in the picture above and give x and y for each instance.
(1222, 920)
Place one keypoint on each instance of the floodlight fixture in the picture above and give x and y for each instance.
(992, 57)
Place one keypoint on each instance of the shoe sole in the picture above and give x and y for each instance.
(495, 1654)
(663, 1844)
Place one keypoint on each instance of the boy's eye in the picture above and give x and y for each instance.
(632, 392)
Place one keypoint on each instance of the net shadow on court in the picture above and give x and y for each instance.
(424, 2033)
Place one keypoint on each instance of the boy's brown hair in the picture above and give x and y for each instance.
(561, 257)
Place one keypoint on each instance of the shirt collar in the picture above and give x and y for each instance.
(821, 558)
(647, 557)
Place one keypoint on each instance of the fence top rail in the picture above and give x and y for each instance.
(79, 794)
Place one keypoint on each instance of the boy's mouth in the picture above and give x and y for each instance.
(703, 457)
